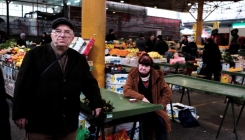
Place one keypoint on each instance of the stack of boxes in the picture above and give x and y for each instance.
(115, 82)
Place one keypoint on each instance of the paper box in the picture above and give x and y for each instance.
(118, 88)
(116, 78)
(178, 107)
(112, 59)
(83, 121)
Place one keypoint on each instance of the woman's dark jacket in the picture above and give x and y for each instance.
(51, 103)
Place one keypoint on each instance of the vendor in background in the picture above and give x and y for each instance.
(184, 41)
(44, 38)
(110, 36)
(22, 40)
(190, 50)
(161, 46)
(211, 58)
(140, 43)
(150, 44)
(147, 84)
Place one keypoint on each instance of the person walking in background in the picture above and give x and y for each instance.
(161, 46)
(22, 40)
(147, 84)
(211, 58)
(47, 91)
(140, 43)
(44, 39)
(150, 44)
(4, 115)
(110, 36)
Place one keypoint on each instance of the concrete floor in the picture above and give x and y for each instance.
(209, 107)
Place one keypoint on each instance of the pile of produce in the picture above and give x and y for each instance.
(12, 53)
(234, 69)
(118, 52)
(155, 55)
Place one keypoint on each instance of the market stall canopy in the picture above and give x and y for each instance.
(174, 5)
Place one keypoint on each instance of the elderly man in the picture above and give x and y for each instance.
(47, 90)
(22, 40)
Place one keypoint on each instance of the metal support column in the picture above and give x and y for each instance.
(199, 22)
(7, 8)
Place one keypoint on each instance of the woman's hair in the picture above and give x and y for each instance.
(45, 33)
(145, 59)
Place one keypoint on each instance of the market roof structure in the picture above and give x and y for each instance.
(174, 5)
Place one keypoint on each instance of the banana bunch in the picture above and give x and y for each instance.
(155, 55)
(134, 50)
(109, 46)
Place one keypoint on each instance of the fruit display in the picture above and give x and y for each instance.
(155, 55)
(234, 69)
(140, 53)
(118, 52)
(109, 46)
(13, 55)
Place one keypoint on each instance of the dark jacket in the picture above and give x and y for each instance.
(161, 47)
(211, 55)
(150, 45)
(4, 108)
(110, 37)
(44, 40)
(140, 44)
(51, 103)
(21, 42)
(190, 51)
(161, 93)
(184, 42)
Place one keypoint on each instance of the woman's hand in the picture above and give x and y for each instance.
(145, 100)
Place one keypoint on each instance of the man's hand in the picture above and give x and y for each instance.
(145, 100)
(21, 123)
(97, 112)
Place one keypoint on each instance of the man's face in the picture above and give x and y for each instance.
(144, 69)
(183, 38)
(152, 37)
(23, 37)
(62, 36)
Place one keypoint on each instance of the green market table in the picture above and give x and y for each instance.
(231, 91)
(124, 108)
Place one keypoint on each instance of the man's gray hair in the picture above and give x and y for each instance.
(22, 34)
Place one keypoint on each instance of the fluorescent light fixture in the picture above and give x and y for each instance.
(122, 1)
(77, 1)
(68, 3)
(189, 4)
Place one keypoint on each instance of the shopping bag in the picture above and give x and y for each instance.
(186, 119)
(82, 134)
(203, 70)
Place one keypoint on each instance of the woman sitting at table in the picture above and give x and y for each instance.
(147, 84)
